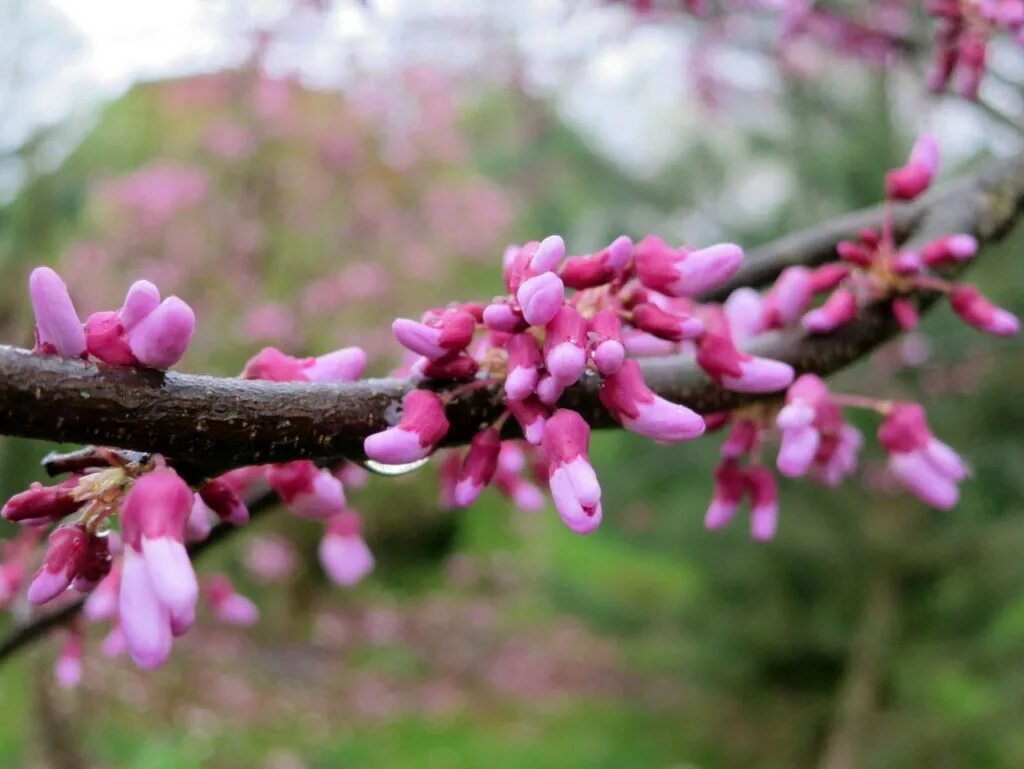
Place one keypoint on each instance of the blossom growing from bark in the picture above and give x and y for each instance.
(572, 480)
(422, 426)
(925, 465)
(58, 329)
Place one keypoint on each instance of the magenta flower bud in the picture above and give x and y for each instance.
(572, 480)
(682, 271)
(549, 390)
(949, 249)
(639, 410)
(161, 338)
(101, 603)
(837, 457)
(94, 564)
(456, 366)
(565, 353)
(828, 276)
(910, 180)
(905, 313)
(789, 297)
(274, 366)
(606, 347)
(907, 263)
(582, 272)
(307, 490)
(730, 488)
(422, 426)
(41, 505)
(741, 440)
(764, 503)
(58, 329)
(979, 312)
(839, 308)
(64, 552)
(503, 317)
(478, 468)
(540, 298)
(664, 324)
(855, 253)
(928, 468)
(107, 340)
(344, 365)
(548, 254)
(67, 670)
(344, 553)
(718, 356)
(142, 298)
(524, 360)
(745, 312)
(797, 449)
(531, 415)
(229, 606)
(439, 335)
(525, 495)
(973, 54)
(222, 499)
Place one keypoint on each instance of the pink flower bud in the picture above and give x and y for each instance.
(438, 335)
(274, 366)
(684, 272)
(839, 308)
(745, 311)
(161, 338)
(106, 339)
(905, 312)
(455, 366)
(909, 181)
(582, 272)
(718, 356)
(64, 552)
(102, 601)
(422, 426)
(220, 497)
(531, 416)
(764, 503)
(548, 254)
(855, 253)
(344, 365)
(58, 329)
(343, 551)
(42, 505)
(979, 312)
(907, 263)
(828, 276)
(228, 605)
(524, 359)
(949, 249)
(308, 491)
(502, 316)
(788, 298)
(664, 324)
(927, 467)
(94, 564)
(639, 410)
(565, 353)
(730, 488)
(741, 440)
(606, 347)
(478, 468)
(142, 298)
(573, 484)
(145, 618)
(540, 298)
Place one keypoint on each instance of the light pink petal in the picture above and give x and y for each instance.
(395, 446)
(764, 520)
(761, 375)
(922, 479)
(143, 297)
(346, 559)
(57, 321)
(549, 254)
(418, 337)
(171, 573)
(663, 420)
(540, 297)
(521, 382)
(326, 498)
(237, 610)
(565, 362)
(344, 365)
(162, 337)
(719, 513)
(144, 618)
(797, 450)
(706, 268)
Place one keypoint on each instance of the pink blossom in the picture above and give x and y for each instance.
(764, 503)
(222, 499)
(606, 347)
(67, 670)
(65, 551)
(524, 360)
(910, 180)
(639, 410)
(718, 355)
(478, 468)
(925, 465)
(582, 272)
(565, 346)
(270, 558)
(41, 505)
(58, 329)
(666, 324)
(572, 480)
(230, 606)
(422, 426)
(744, 310)
(531, 416)
(840, 308)
(789, 297)
(683, 271)
(979, 312)
(730, 488)
(438, 335)
(343, 551)
(540, 298)
(307, 490)
(949, 249)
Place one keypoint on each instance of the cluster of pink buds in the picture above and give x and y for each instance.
(873, 269)
(563, 319)
(962, 38)
(144, 332)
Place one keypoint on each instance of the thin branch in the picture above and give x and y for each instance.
(205, 425)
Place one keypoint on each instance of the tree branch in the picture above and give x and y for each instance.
(206, 425)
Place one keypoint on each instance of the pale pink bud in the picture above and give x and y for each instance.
(565, 352)
(730, 488)
(501, 316)
(142, 298)
(718, 356)
(548, 255)
(524, 359)
(478, 468)
(572, 480)
(230, 606)
(67, 669)
(161, 338)
(101, 603)
(741, 440)
(344, 553)
(307, 490)
(438, 335)
(839, 308)
(606, 347)
(927, 467)
(220, 497)
(745, 312)
(788, 298)
(531, 415)
(905, 312)
(422, 426)
(764, 503)
(979, 312)
(344, 365)
(684, 272)
(58, 328)
(639, 410)
(540, 298)
(64, 552)
(145, 619)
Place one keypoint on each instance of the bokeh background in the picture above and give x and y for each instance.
(304, 172)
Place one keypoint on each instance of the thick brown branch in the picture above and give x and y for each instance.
(207, 424)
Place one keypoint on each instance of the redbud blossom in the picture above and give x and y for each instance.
(606, 347)
(977, 311)
(230, 606)
(220, 497)
(58, 328)
(343, 551)
(67, 669)
(158, 586)
(949, 249)
(764, 503)
(683, 271)
(572, 480)
(478, 468)
(639, 410)
(925, 465)
(664, 324)
(744, 310)
(730, 488)
(828, 276)
(840, 308)
(161, 338)
(307, 490)
(565, 342)
(910, 180)
(524, 360)
(531, 416)
(422, 426)
(65, 551)
(718, 355)
(438, 335)
(788, 298)
(540, 298)
(41, 505)
(582, 272)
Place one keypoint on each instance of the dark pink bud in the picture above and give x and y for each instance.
(273, 365)
(666, 325)
(977, 311)
(157, 506)
(479, 467)
(606, 347)
(531, 415)
(828, 276)
(422, 426)
(64, 552)
(839, 308)
(456, 366)
(524, 360)
(741, 440)
(40, 505)
(764, 503)
(639, 410)
(730, 488)
(855, 253)
(438, 335)
(927, 467)
(572, 480)
(94, 564)
(950, 249)
(718, 356)
(788, 298)
(220, 497)
(909, 181)
(565, 346)
(582, 272)
(906, 314)
(107, 340)
(307, 490)
(682, 271)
